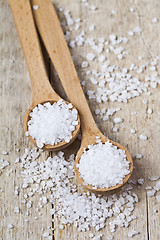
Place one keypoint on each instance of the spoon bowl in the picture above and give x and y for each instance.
(50, 147)
(42, 91)
(101, 190)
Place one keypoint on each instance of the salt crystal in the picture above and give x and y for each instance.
(17, 160)
(4, 152)
(46, 235)
(137, 30)
(28, 205)
(16, 209)
(91, 28)
(154, 20)
(117, 120)
(115, 129)
(151, 193)
(113, 12)
(154, 178)
(158, 198)
(143, 137)
(101, 58)
(84, 64)
(3, 164)
(35, 7)
(8, 172)
(90, 56)
(149, 111)
(131, 9)
(25, 185)
(52, 211)
(93, 7)
(133, 113)
(157, 186)
(140, 181)
(139, 156)
(68, 18)
(132, 233)
(133, 131)
(130, 33)
(10, 226)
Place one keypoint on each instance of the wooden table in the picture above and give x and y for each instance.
(15, 93)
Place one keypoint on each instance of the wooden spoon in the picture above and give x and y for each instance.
(54, 41)
(41, 89)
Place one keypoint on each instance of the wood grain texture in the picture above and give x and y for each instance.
(15, 92)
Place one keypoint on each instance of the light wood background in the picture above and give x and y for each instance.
(15, 98)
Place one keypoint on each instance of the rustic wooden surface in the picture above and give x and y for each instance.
(15, 99)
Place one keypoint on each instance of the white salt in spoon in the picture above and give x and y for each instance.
(42, 91)
(55, 43)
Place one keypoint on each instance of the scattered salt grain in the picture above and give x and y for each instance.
(139, 156)
(101, 160)
(137, 30)
(130, 33)
(35, 7)
(115, 129)
(93, 7)
(28, 205)
(4, 153)
(154, 20)
(113, 12)
(140, 181)
(154, 178)
(17, 160)
(46, 235)
(158, 198)
(68, 18)
(52, 211)
(149, 111)
(131, 9)
(16, 209)
(133, 113)
(84, 64)
(117, 120)
(91, 28)
(133, 131)
(90, 56)
(3, 164)
(10, 226)
(143, 137)
(101, 58)
(151, 193)
(9, 171)
(132, 233)
(52, 123)
(157, 186)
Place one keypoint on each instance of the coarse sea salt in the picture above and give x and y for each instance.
(132, 233)
(84, 210)
(52, 123)
(143, 137)
(103, 165)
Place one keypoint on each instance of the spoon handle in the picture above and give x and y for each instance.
(52, 35)
(22, 13)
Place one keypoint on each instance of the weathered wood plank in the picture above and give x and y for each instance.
(15, 95)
